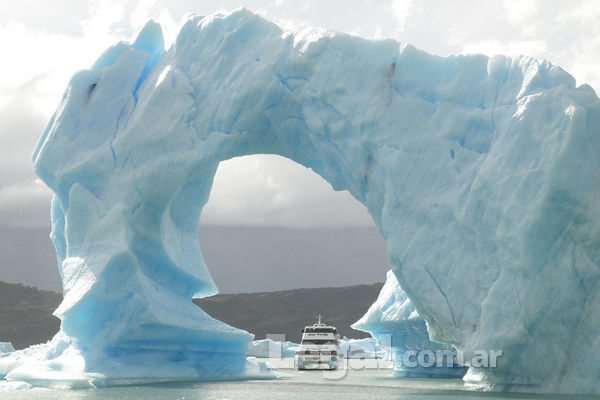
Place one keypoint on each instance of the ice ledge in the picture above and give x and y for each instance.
(61, 364)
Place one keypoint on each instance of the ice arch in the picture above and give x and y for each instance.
(481, 174)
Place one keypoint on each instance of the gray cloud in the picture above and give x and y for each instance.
(24, 199)
(269, 190)
(282, 194)
(57, 16)
(20, 128)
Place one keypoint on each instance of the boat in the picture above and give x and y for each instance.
(320, 347)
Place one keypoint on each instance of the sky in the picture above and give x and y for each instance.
(43, 43)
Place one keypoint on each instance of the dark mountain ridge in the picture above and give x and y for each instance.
(26, 313)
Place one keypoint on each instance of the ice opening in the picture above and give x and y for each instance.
(272, 224)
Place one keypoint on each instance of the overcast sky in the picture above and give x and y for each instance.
(44, 42)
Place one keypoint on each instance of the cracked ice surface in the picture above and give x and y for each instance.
(481, 174)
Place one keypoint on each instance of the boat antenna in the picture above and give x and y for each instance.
(319, 319)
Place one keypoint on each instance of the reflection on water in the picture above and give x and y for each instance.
(356, 383)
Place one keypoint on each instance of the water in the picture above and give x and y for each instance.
(355, 384)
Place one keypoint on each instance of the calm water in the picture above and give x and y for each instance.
(356, 384)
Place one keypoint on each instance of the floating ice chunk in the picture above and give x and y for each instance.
(267, 348)
(6, 347)
(14, 385)
(361, 348)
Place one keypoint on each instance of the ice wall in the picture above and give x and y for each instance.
(396, 325)
(481, 173)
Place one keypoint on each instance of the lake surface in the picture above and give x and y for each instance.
(376, 383)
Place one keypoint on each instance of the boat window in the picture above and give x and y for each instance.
(320, 330)
(318, 341)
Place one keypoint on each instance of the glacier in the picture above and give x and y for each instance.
(480, 173)
(395, 324)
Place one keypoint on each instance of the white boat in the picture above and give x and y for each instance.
(320, 348)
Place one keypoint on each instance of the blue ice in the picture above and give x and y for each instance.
(481, 174)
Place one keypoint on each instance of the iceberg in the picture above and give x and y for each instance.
(396, 325)
(481, 174)
(6, 347)
(366, 348)
(267, 348)
(13, 385)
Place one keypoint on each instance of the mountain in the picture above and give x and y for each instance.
(288, 311)
(26, 313)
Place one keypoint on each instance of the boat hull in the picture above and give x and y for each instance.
(306, 362)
